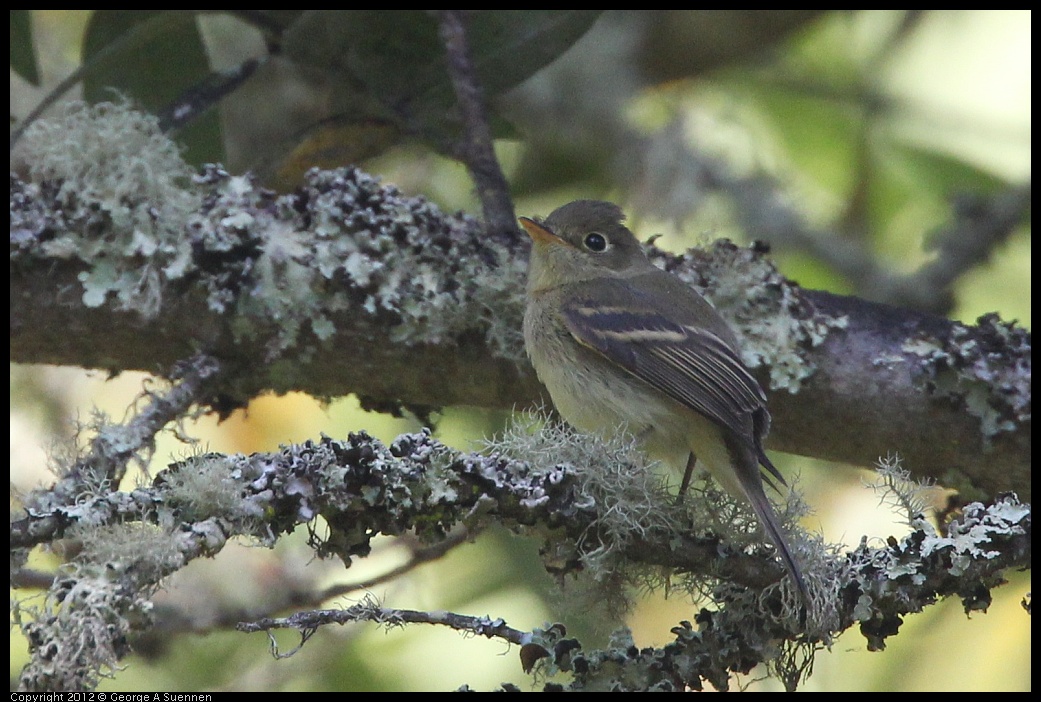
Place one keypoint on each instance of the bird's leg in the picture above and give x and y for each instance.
(687, 474)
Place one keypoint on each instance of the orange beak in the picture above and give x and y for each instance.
(538, 233)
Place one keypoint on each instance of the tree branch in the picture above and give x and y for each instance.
(362, 488)
(349, 286)
(477, 150)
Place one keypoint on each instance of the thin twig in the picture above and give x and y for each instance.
(476, 149)
(369, 610)
(112, 449)
(419, 557)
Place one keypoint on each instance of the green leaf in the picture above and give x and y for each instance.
(512, 45)
(23, 55)
(153, 57)
(391, 65)
(271, 22)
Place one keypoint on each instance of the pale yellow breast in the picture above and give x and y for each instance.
(596, 396)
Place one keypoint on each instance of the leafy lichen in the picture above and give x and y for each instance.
(126, 191)
(988, 368)
(762, 307)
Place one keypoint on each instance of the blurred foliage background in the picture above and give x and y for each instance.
(857, 144)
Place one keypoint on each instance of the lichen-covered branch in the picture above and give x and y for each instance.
(596, 506)
(369, 610)
(348, 285)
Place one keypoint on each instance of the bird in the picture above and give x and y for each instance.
(619, 342)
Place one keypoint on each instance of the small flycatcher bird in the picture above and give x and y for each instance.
(620, 343)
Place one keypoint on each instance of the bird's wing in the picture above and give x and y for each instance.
(688, 363)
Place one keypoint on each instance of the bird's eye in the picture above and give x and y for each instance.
(595, 242)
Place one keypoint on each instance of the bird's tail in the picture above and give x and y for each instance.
(751, 480)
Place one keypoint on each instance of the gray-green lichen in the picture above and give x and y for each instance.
(763, 308)
(79, 633)
(967, 560)
(127, 197)
(344, 242)
(987, 368)
(435, 276)
(362, 488)
(634, 505)
(613, 474)
(909, 498)
(120, 200)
